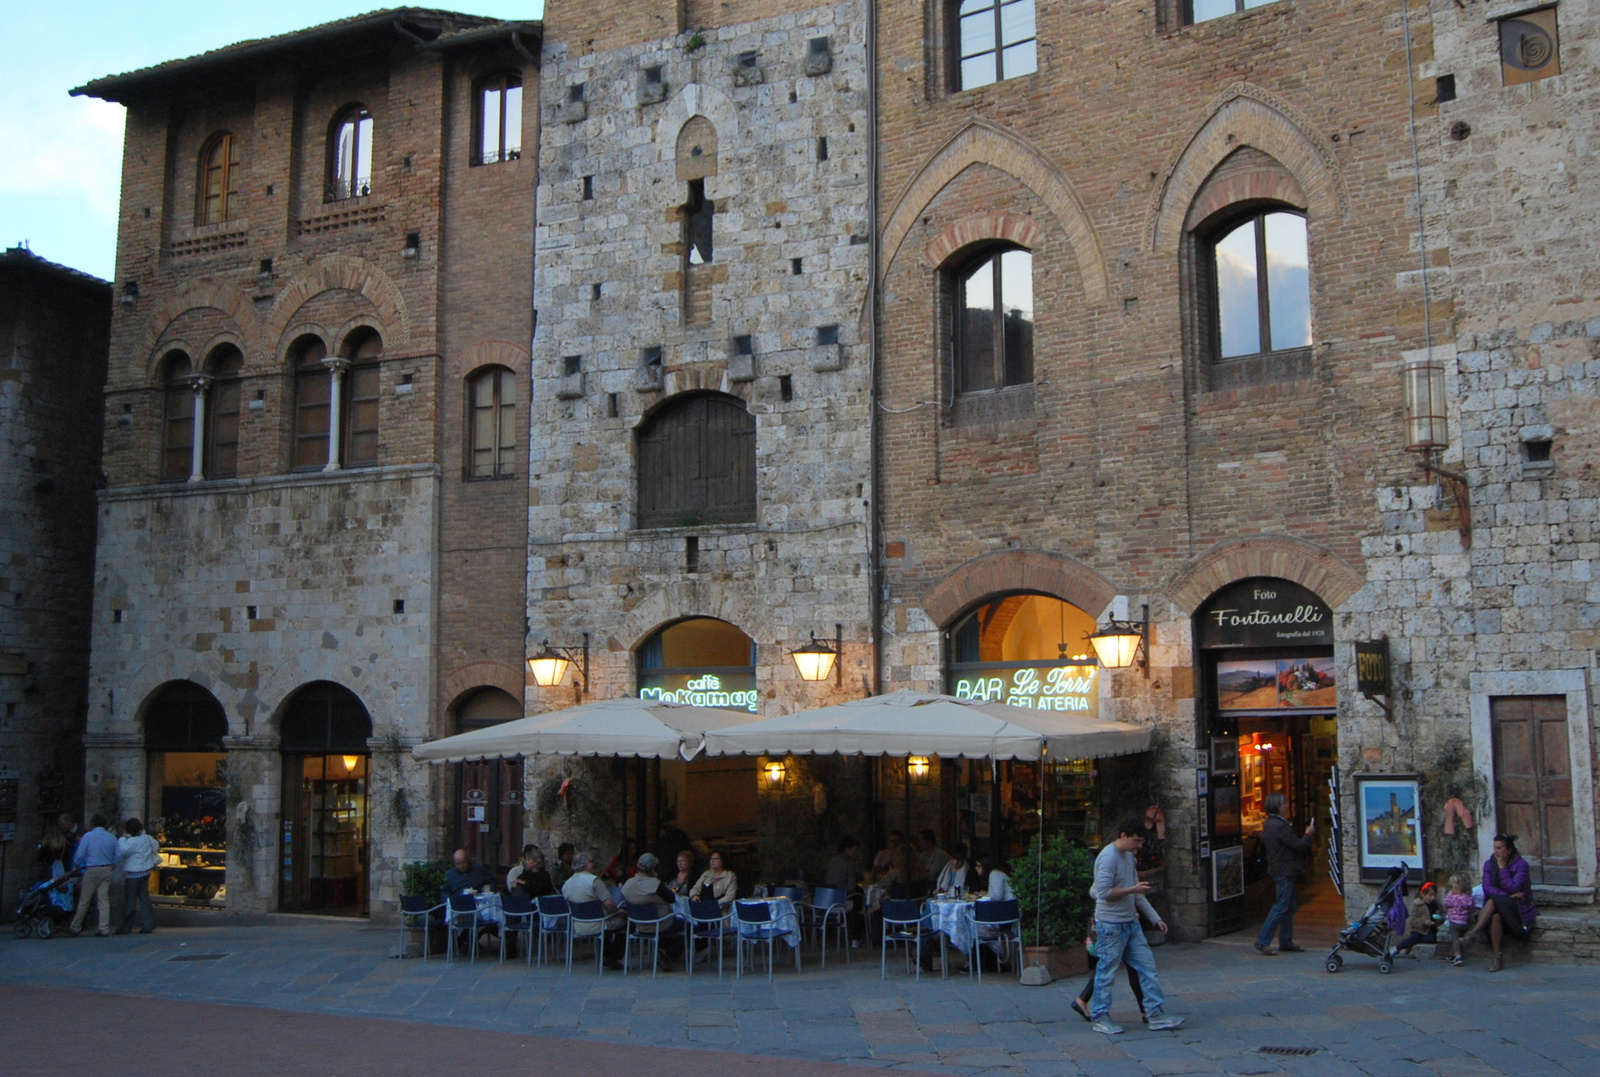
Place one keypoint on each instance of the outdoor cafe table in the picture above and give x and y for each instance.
(784, 917)
(952, 917)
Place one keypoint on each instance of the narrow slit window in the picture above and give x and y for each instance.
(219, 180)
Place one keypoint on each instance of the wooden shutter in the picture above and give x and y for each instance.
(697, 464)
(1533, 783)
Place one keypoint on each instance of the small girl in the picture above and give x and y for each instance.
(1457, 913)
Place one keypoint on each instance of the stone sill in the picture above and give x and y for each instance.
(1550, 897)
(208, 487)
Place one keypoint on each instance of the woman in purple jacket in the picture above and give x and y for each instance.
(1507, 897)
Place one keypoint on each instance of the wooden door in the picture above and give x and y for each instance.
(489, 820)
(1533, 783)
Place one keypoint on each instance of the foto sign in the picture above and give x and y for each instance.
(1372, 667)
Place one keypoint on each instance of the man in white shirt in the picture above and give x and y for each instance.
(137, 855)
(1119, 898)
(585, 885)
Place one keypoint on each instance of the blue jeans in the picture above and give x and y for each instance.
(1114, 944)
(136, 905)
(1281, 916)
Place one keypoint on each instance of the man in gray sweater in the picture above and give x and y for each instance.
(1118, 900)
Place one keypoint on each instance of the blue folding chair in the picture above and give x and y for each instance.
(645, 924)
(415, 907)
(755, 923)
(707, 921)
(904, 921)
(555, 918)
(587, 912)
(516, 917)
(996, 921)
(827, 908)
(463, 910)
(796, 894)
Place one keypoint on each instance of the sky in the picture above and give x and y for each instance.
(61, 156)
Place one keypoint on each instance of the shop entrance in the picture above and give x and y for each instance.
(1267, 711)
(488, 821)
(187, 802)
(326, 771)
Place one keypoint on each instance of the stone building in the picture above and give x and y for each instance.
(699, 481)
(54, 327)
(312, 547)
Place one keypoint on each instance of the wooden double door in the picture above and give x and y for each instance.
(1533, 783)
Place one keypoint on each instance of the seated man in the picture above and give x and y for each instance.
(465, 877)
(646, 890)
(585, 885)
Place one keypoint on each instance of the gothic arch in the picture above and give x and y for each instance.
(1009, 571)
(352, 274)
(981, 143)
(1245, 115)
(697, 99)
(1318, 570)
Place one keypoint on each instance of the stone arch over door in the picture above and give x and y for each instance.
(350, 274)
(982, 143)
(164, 667)
(1320, 571)
(1010, 571)
(680, 601)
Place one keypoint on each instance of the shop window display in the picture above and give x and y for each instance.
(187, 805)
(326, 767)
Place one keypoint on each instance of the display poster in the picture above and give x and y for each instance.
(1039, 687)
(1225, 755)
(731, 691)
(1227, 873)
(1260, 684)
(1389, 824)
(1265, 613)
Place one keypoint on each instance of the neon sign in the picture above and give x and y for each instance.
(706, 690)
(1046, 688)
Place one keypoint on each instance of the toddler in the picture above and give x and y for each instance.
(1457, 913)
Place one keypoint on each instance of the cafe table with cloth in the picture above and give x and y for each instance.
(784, 917)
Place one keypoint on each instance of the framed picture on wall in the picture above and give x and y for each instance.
(1224, 755)
(1202, 759)
(1227, 873)
(1205, 822)
(1202, 782)
(1389, 824)
(1205, 850)
(1225, 801)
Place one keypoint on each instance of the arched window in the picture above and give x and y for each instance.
(360, 406)
(177, 427)
(492, 424)
(993, 332)
(219, 179)
(1261, 284)
(1027, 650)
(187, 800)
(325, 717)
(700, 661)
(184, 717)
(697, 463)
(499, 119)
(350, 155)
(222, 413)
(998, 40)
(313, 387)
(696, 155)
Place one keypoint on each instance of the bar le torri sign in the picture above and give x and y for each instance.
(1043, 688)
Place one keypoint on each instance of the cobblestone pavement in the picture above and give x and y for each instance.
(1426, 1018)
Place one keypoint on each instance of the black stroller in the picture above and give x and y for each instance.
(1374, 933)
(46, 907)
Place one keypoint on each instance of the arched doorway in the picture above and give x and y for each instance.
(326, 767)
(489, 808)
(1267, 711)
(186, 768)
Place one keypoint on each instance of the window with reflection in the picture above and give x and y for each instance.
(994, 322)
(222, 413)
(499, 119)
(219, 179)
(360, 405)
(1206, 10)
(177, 426)
(1262, 282)
(998, 40)
(350, 155)
(313, 388)
(1027, 650)
(492, 426)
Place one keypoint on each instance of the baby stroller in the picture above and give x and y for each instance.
(1375, 932)
(46, 907)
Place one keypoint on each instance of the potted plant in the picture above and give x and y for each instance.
(1056, 906)
(423, 878)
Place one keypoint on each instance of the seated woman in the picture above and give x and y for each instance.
(683, 880)
(623, 865)
(716, 884)
(1507, 898)
(993, 880)
(953, 877)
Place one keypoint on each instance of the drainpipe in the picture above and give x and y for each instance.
(875, 525)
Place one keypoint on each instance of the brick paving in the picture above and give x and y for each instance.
(1425, 1018)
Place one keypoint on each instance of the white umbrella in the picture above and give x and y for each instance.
(649, 729)
(927, 723)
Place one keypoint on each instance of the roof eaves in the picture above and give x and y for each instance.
(23, 259)
(480, 34)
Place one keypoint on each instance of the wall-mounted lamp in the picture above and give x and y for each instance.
(130, 293)
(775, 770)
(1122, 643)
(816, 661)
(919, 767)
(1428, 434)
(550, 665)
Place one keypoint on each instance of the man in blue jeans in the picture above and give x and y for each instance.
(1119, 899)
(1286, 862)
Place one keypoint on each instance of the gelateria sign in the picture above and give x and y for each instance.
(733, 691)
(1043, 688)
(1265, 613)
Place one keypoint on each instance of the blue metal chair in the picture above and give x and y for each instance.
(463, 910)
(414, 907)
(796, 894)
(707, 921)
(555, 918)
(588, 912)
(996, 921)
(645, 923)
(754, 920)
(516, 917)
(905, 922)
(827, 908)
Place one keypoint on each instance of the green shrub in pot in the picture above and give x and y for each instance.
(425, 877)
(1057, 909)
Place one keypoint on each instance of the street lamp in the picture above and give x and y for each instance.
(1122, 643)
(816, 661)
(549, 667)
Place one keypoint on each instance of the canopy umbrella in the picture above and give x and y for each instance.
(644, 728)
(929, 724)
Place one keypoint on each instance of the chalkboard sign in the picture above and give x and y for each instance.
(1265, 613)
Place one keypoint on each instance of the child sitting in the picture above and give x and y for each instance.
(1422, 925)
(1458, 908)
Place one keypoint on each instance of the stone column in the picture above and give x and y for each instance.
(114, 776)
(400, 804)
(200, 383)
(336, 367)
(255, 822)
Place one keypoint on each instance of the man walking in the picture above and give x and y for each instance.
(97, 856)
(1286, 862)
(1119, 899)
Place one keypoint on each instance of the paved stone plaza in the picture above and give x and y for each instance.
(1425, 1018)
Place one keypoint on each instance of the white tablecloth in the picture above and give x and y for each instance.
(954, 919)
(784, 918)
(489, 908)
